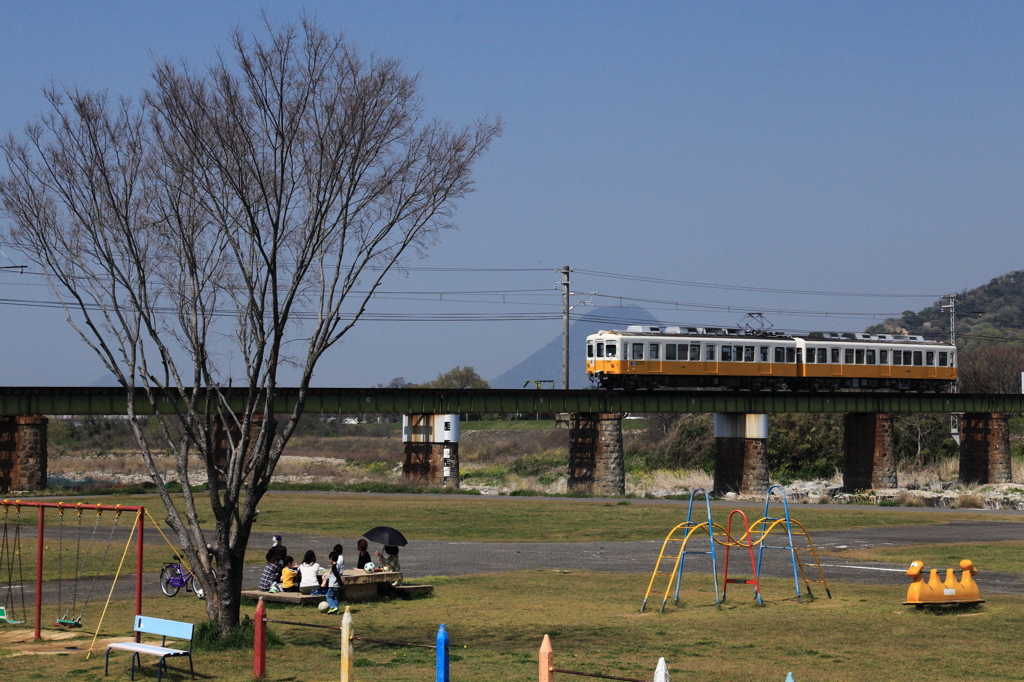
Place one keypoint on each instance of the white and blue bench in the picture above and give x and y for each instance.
(156, 626)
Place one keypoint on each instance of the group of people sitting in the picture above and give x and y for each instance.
(282, 574)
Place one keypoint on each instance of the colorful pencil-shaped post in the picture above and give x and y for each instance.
(547, 661)
(442, 655)
(346, 646)
(789, 677)
(259, 660)
(661, 672)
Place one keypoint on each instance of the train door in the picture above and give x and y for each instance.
(654, 357)
(835, 360)
(710, 358)
(801, 348)
(764, 359)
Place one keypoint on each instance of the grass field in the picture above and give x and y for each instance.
(496, 623)
(506, 519)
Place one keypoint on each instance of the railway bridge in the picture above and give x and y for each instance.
(595, 435)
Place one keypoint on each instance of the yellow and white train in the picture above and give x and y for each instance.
(708, 357)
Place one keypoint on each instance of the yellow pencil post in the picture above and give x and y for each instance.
(346, 646)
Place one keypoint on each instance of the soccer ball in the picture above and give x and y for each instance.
(323, 607)
(369, 567)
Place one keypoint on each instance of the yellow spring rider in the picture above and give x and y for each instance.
(952, 591)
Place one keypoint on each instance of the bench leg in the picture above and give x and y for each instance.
(106, 664)
(160, 665)
(190, 669)
(134, 656)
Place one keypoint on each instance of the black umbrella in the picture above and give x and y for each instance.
(387, 536)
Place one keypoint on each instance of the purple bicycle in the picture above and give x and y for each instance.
(174, 576)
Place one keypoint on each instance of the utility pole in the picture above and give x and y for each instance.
(565, 327)
(954, 417)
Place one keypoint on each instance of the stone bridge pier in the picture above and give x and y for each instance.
(869, 457)
(596, 462)
(985, 448)
(741, 453)
(23, 453)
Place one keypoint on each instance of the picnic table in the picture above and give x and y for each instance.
(358, 586)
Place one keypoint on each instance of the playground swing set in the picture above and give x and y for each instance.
(75, 551)
(680, 540)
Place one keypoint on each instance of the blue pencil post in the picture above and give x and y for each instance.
(442, 654)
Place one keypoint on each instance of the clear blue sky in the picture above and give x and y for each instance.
(842, 147)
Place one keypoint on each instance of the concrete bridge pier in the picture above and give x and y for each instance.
(23, 453)
(869, 456)
(985, 448)
(431, 449)
(741, 453)
(596, 462)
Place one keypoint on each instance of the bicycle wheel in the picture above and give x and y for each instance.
(168, 573)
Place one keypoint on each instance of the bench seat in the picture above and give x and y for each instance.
(155, 626)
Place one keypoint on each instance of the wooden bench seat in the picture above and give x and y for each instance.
(409, 591)
(156, 626)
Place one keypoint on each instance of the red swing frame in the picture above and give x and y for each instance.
(42, 507)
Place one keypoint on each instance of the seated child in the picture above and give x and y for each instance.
(309, 571)
(271, 574)
(289, 576)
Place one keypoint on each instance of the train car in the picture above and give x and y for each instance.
(724, 357)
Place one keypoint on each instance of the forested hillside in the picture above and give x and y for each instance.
(989, 315)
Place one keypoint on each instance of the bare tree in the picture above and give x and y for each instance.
(991, 369)
(252, 208)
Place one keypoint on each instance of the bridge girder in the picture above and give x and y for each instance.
(113, 401)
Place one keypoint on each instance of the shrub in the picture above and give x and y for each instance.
(208, 637)
(969, 501)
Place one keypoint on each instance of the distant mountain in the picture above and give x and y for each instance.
(546, 363)
(992, 314)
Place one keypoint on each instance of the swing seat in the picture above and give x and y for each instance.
(67, 623)
(9, 619)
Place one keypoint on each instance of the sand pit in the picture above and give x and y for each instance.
(21, 642)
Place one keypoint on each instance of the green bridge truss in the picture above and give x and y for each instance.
(113, 401)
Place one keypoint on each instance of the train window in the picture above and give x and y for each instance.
(638, 351)
(610, 350)
(822, 355)
(897, 357)
(764, 353)
(917, 358)
(799, 355)
(883, 357)
(726, 353)
(952, 359)
(810, 355)
(709, 352)
(694, 352)
(929, 358)
(670, 351)
(791, 355)
(653, 352)
(590, 350)
(943, 358)
(835, 356)
(780, 354)
(748, 354)
(859, 354)
(870, 355)
(847, 356)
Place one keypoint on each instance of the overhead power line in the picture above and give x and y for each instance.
(732, 287)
